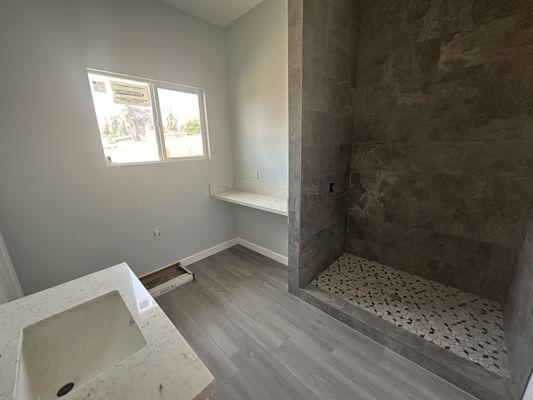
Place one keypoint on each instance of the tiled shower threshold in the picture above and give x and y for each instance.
(456, 335)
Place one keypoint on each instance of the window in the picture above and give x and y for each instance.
(143, 121)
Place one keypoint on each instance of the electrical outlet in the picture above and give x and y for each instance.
(157, 233)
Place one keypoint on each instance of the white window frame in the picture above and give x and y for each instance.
(153, 85)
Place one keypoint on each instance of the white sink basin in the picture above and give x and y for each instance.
(74, 347)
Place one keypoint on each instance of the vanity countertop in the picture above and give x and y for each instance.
(166, 368)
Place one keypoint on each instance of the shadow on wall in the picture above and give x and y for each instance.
(441, 159)
(519, 316)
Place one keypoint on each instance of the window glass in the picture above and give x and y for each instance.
(125, 118)
(142, 120)
(181, 122)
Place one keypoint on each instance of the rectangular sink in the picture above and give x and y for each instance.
(66, 351)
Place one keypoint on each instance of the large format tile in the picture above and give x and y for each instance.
(323, 88)
(442, 142)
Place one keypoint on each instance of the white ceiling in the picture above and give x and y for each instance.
(217, 12)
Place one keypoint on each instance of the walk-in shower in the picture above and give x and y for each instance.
(421, 114)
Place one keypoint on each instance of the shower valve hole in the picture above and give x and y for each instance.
(65, 389)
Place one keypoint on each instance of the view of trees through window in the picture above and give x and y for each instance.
(133, 122)
(182, 129)
(126, 114)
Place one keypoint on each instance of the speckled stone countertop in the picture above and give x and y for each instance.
(258, 195)
(166, 368)
(254, 200)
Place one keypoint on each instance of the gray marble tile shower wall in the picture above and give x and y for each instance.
(322, 66)
(434, 168)
(442, 157)
(295, 37)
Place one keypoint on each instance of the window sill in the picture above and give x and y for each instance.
(165, 161)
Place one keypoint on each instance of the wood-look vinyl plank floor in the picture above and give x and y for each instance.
(262, 343)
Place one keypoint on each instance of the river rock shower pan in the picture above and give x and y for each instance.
(455, 334)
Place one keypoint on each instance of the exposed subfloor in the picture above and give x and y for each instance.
(463, 323)
(262, 343)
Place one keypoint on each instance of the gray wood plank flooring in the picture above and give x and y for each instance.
(261, 343)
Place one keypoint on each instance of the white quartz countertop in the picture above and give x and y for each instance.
(273, 204)
(166, 368)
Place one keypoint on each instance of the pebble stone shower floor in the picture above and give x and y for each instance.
(463, 323)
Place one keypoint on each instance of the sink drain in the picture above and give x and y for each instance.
(65, 389)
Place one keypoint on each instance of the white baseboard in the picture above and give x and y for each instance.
(264, 251)
(226, 245)
(208, 252)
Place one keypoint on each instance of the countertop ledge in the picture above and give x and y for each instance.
(258, 201)
(261, 196)
(166, 368)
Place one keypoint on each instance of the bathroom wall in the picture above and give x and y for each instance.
(256, 47)
(321, 94)
(442, 158)
(65, 214)
(519, 316)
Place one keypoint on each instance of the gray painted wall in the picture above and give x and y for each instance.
(258, 83)
(263, 228)
(63, 213)
(257, 87)
(442, 162)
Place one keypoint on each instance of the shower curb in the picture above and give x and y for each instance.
(459, 371)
